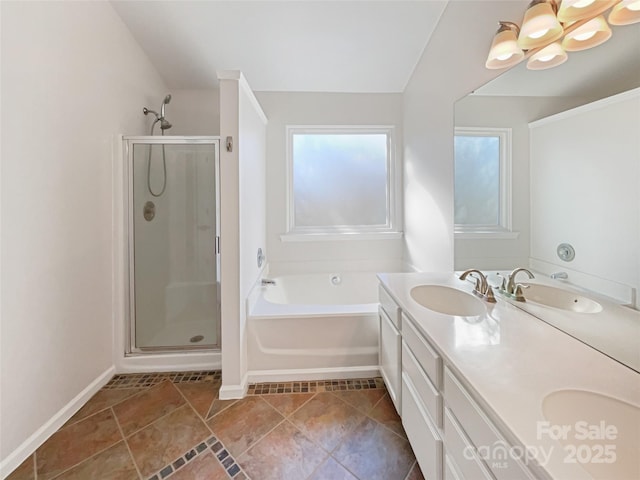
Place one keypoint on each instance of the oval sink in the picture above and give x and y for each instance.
(594, 428)
(559, 298)
(447, 300)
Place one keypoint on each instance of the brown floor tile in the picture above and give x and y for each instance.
(285, 453)
(101, 400)
(114, 463)
(75, 443)
(244, 423)
(385, 413)
(372, 452)
(204, 466)
(286, 404)
(332, 470)
(140, 410)
(326, 419)
(219, 405)
(24, 472)
(363, 400)
(415, 473)
(166, 439)
(199, 395)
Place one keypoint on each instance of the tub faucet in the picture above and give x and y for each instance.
(267, 281)
(559, 275)
(512, 289)
(482, 288)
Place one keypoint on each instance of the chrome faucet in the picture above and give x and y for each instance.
(482, 288)
(559, 275)
(267, 281)
(512, 289)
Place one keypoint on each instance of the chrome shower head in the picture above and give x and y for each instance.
(166, 100)
(164, 125)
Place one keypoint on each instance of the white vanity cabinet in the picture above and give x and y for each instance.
(443, 422)
(390, 344)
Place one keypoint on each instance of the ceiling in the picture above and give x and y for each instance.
(313, 46)
(365, 46)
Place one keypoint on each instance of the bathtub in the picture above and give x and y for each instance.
(313, 326)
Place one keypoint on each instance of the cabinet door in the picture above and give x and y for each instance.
(390, 345)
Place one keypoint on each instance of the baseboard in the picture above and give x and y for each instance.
(15, 458)
(302, 374)
(169, 362)
(233, 392)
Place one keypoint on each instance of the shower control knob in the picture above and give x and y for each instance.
(149, 211)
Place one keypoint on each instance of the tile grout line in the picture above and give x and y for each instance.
(411, 469)
(110, 406)
(96, 453)
(126, 444)
(382, 424)
(211, 444)
(210, 441)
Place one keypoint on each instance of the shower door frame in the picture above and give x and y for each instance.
(130, 307)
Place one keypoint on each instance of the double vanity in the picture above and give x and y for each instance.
(485, 389)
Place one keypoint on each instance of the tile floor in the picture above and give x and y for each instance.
(173, 425)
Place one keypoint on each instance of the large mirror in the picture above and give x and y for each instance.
(599, 216)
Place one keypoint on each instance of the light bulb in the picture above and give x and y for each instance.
(635, 6)
(583, 3)
(585, 36)
(539, 33)
(504, 56)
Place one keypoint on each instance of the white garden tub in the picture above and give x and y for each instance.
(314, 326)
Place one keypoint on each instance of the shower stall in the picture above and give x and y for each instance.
(172, 210)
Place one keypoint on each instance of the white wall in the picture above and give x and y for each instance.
(193, 112)
(585, 184)
(72, 78)
(451, 66)
(514, 113)
(242, 220)
(284, 109)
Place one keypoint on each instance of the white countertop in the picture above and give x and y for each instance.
(513, 360)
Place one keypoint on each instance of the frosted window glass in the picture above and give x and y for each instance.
(477, 180)
(339, 180)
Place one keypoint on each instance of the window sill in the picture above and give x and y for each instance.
(486, 235)
(339, 237)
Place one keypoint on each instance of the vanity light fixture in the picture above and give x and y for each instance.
(549, 31)
(504, 50)
(550, 56)
(625, 13)
(540, 25)
(590, 34)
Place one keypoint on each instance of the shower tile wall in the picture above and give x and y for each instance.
(157, 426)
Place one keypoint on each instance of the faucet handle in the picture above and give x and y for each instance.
(519, 296)
(503, 282)
(489, 296)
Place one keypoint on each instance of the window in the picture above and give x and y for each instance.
(482, 182)
(341, 180)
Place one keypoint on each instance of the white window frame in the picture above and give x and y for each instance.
(504, 227)
(364, 232)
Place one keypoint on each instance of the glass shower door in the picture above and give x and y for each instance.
(174, 279)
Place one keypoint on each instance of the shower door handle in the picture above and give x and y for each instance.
(217, 245)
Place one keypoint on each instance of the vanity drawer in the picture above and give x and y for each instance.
(427, 392)
(389, 306)
(480, 430)
(426, 356)
(459, 448)
(422, 434)
(389, 357)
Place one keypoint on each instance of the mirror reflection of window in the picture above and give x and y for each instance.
(482, 160)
